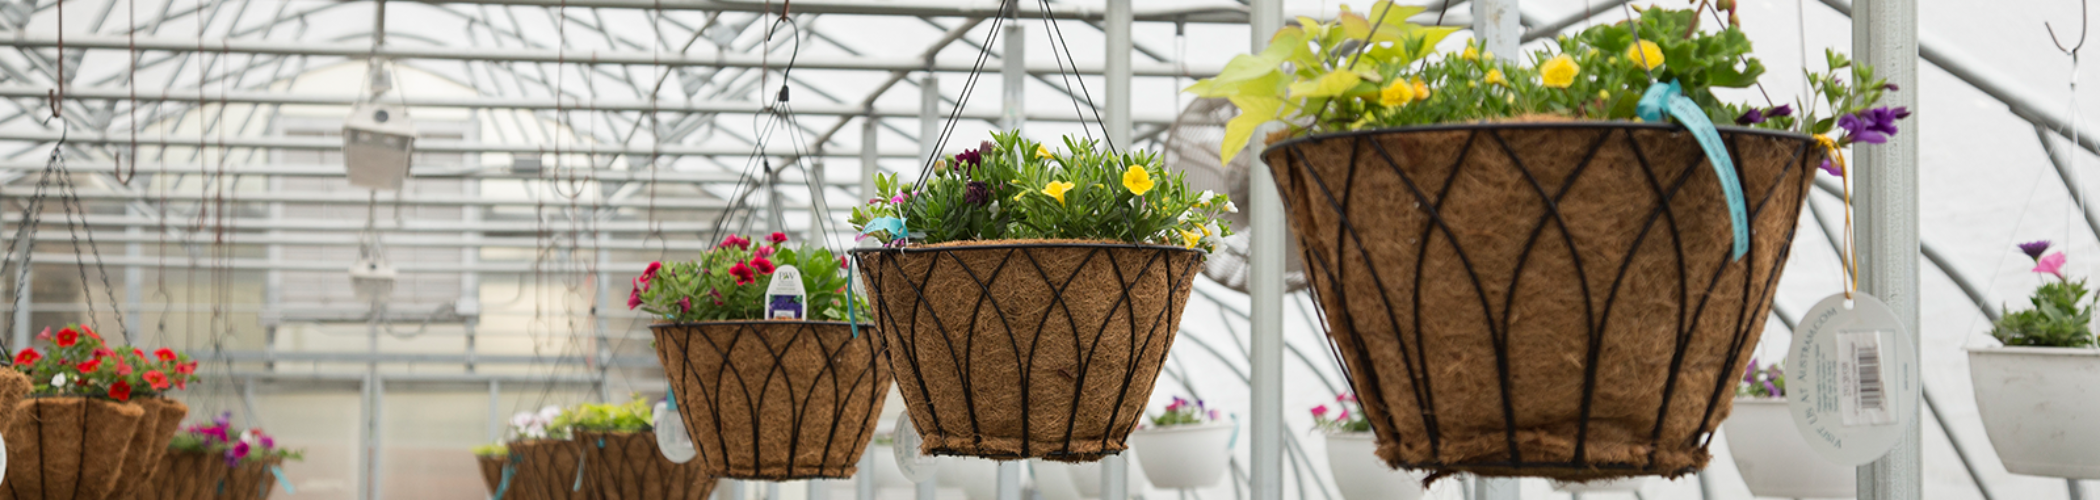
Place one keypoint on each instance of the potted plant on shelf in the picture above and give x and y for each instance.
(1502, 251)
(1352, 455)
(620, 447)
(2035, 390)
(219, 461)
(1770, 452)
(152, 377)
(1186, 446)
(766, 389)
(1028, 296)
(75, 435)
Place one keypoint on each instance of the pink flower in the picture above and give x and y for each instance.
(685, 304)
(1346, 398)
(762, 265)
(650, 273)
(777, 237)
(735, 241)
(1319, 411)
(2051, 264)
(634, 298)
(742, 273)
(764, 252)
(842, 263)
(1344, 417)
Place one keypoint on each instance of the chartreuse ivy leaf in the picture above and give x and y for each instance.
(1332, 84)
(1254, 111)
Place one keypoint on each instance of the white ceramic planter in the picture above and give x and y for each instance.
(1622, 485)
(1086, 477)
(1361, 475)
(887, 475)
(2041, 408)
(1775, 460)
(1184, 456)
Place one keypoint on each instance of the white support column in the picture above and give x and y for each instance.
(134, 286)
(1010, 480)
(929, 118)
(1495, 25)
(1013, 77)
(864, 482)
(1115, 469)
(930, 488)
(870, 134)
(1265, 291)
(1885, 36)
(22, 302)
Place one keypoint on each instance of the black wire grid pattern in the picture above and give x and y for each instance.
(627, 466)
(963, 342)
(775, 400)
(545, 469)
(195, 475)
(1323, 248)
(90, 418)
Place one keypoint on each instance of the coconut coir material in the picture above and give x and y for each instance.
(166, 416)
(775, 400)
(1027, 349)
(13, 387)
(192, 475)
(545, 470)
(1542, 299)
(627, 466)
(491, 471)
(68, 448)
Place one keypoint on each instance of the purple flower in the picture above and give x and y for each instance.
(1750, 372)
(1873, 126)
(969, 157)
(1781, 110)
(1832, 168)
(2034, 249)
(1891, 87)
(1772, 390)
(1751, 117)
(977, 193)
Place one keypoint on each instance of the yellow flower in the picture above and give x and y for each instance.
(1487, 55)
(1603, 94)
(1042, 152)
(1137, 180)
(1397, 94)
(1471, 54)
(1559, 71)
(1494, 77)
(1057, 189)
(1189, 239)
(1646, 54)
(1421, 90)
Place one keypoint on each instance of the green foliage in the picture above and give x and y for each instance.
(1349, 417)
(492, 450)
(1310, 63)
(1398, 82)
(633, 416)
(729, 282)
(1014, 188)
(1183, 412)
(2062, 317)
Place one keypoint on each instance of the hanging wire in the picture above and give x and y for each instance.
(2072, 103)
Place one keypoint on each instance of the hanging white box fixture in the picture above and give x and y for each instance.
(373, 278)
(377, 137)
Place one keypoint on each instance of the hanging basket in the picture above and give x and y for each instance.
(1542, 299)
(491, 472)
(193, 475)
(157, 426)
(69, 448)
(1028, 349)
(545, 469)
(13, 387)
(775, 400)
(2038, 408)
(627, 466)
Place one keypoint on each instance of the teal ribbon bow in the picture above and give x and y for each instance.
(892, 224)
(503, 485)
(1669, 98)
(278, 472)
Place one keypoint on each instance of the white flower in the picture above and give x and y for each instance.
(522, 420)
(547, 414)
(58, 380)
(1231, 208)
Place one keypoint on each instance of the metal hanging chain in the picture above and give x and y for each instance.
(2073, 102)
(1057, 44)
(778, 115)
(1006, 8)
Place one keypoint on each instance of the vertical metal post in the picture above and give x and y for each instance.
(870, 134)
(603, 349)
(930, 488)
(864, 483)
(134, 286)
(468, 305)
(1009, 480)
(1115, 469)
(1013, 77)
(22, 294)
(818, 489)
(929, 116)
(1495, 25)
(772, 490)
(495, 432)
(2077, 492)
(1885, 36)
(818, 209)
(1265, 291)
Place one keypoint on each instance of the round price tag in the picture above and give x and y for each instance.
(671, 438)
(905, 443)
(1851, 379)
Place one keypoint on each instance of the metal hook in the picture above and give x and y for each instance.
(2073, 50)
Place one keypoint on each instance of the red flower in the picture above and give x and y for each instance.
(762, 265)
(735, 241)
(685, 304)
(650, 273)
(139, 354)
(67, 337)
(120, 391)
(158, 380)
(44, 335)
(28, 356)
(123, 369)
(90, 332)
(89, 366)
(742, 273)
(189, 368)
(102, 352)
(634, 298)
(164, 354)
(777, 237)
(764, 252)
(843, 264)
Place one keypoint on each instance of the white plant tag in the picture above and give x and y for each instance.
(904, 445)
(1862, 380)
(671, 439)
(784, 296)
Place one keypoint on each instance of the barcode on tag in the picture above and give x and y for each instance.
(1862, 380)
